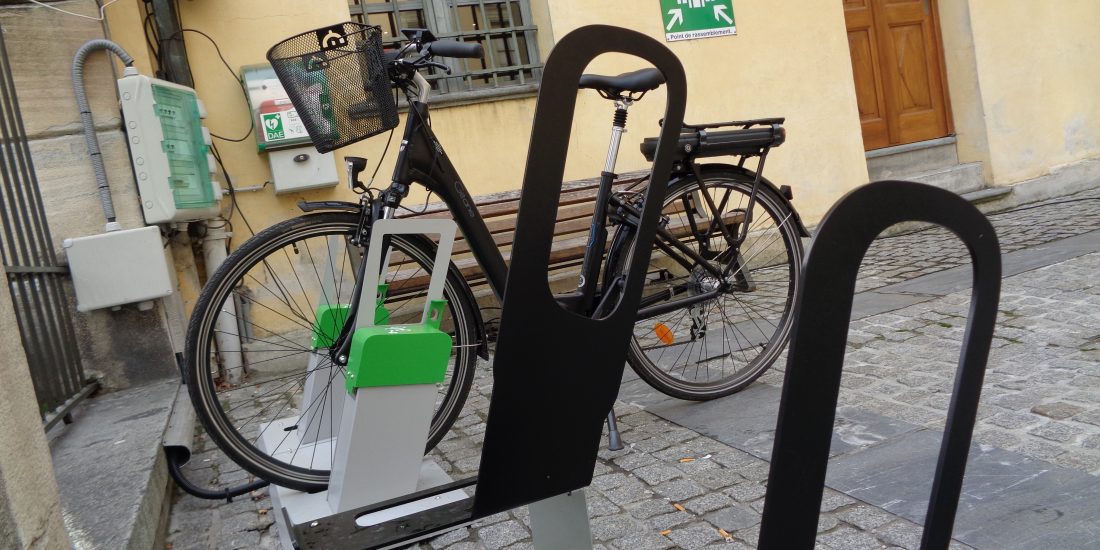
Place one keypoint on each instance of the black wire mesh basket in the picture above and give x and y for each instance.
(337, 81)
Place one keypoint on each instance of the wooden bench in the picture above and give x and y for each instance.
(578, 201)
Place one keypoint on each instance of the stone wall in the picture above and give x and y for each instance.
(30, 510)
(126, 347)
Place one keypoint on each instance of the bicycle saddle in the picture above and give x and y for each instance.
(639, 81)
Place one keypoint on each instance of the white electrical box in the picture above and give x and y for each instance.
(169, 150)
(301, 168)
(119, 267)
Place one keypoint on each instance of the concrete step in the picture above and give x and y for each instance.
(110, 469)
(960, 178)
(963, 179)
(988, 194)
(901, 161)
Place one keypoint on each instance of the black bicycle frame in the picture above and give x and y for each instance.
(421, 159)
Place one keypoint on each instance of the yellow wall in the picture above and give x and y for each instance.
(790, 62)
(761, 72)
(1035, 84)
(962, 84)
(1022, 103)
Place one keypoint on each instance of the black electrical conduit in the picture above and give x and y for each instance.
(177, 450)
(178, 456)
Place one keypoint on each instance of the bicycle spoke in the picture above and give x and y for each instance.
(732, 330)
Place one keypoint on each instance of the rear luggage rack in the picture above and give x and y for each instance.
(751, 139)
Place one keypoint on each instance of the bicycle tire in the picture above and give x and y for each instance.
(269, 278)
(755, 345)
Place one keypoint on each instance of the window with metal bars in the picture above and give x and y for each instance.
(503, 28)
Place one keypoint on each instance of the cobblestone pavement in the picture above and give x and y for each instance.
(675, 488)
(1041, 396)
(895, 259)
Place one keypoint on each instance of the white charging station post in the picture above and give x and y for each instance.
(384, 422)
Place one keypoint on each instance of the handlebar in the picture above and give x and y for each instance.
(421, 41)
(451, 48)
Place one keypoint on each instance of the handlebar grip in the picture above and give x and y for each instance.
(451, 48)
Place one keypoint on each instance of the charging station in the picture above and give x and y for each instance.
(388, 396)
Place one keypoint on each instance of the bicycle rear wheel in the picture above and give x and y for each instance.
(281, 378)
(719, 346)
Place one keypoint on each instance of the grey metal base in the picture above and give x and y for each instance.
(561, 522)
(294, 507)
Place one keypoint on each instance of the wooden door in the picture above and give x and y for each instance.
(897, 62)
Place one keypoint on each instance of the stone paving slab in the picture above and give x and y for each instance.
(747, 422)
(960, 278)
(110, 470)
(1008, 500)
(933, 285)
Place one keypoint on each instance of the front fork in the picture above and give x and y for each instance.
(370, 209)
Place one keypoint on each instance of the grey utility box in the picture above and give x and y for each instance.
(302, 168)
(120, 267)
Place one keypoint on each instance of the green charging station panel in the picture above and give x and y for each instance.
(398, 355)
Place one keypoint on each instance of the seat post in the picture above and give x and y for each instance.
(618, 127)
(597, 234)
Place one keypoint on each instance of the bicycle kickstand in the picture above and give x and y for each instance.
(614, 440)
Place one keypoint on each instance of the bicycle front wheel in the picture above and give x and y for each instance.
(258, 368)
(718, 346)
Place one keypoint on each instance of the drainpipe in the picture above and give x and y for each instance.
(226, 337)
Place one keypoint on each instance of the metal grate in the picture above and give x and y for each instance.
(35, 280)
(503, 28)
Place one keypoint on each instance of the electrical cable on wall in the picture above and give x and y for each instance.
(55, 8)
(232, 190)
(228, 67)
(91, 138)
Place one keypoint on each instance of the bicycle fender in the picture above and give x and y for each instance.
(339, 206)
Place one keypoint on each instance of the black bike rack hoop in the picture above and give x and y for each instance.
(552, 394)
(807, 408)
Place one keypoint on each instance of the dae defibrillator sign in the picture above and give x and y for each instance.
(273, 127)
(689, 19)
(281, 123)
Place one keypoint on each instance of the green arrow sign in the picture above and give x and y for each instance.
(688, 19)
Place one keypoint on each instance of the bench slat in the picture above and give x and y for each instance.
(562, 253)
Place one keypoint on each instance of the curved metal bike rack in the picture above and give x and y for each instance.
(807, 409)
(529, 453)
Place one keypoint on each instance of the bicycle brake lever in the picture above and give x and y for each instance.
(440, 66)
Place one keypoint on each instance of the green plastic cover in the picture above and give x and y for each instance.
(399, 355)
(178, 111)
(331, 318)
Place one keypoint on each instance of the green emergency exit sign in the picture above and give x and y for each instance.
(690, 19)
